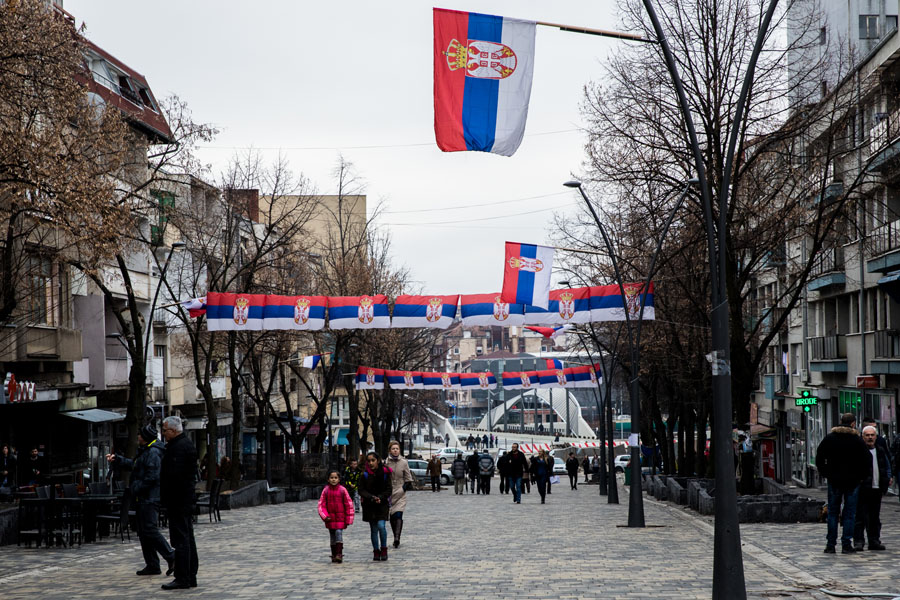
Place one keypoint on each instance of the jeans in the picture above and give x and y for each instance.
(868, 517)
(152, 541)
(181, 530)
(848, 497)
(337, 536)
(516, 485)
(355, 495)
(459, 485)
(378, 530)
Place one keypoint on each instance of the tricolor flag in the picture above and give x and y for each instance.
(477, 381)
(358, 312)
(521, 380)
(526, 274)
(304, 313)
(424, 311)
(482, 81)
(403, 380)
(195, 307)
(565, 306)
(440, 381)
(488, 309)
(234, 312)
(311, 362)
(581, 377)
(607, 303)
(369, 378)
(553, 378)
(549, 332)
(554, 363)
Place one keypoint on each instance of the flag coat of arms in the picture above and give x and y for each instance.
(483, 67)
(358, 312)
(521, 380)
(403, 380)
(369, 378)
(195, 307)
(424, 311)
(581, 377)
(234, 312)
(488, 309)
(435, 381)
(565, 306)
(477, 381)
(553, 378)
(302, 313)
(526, 274)
(607, 303)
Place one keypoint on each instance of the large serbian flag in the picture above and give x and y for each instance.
(404, 380)
(482, 81)
(234, 312)
(572, 305)
(304, 313)
(526, 274)
(440, 381)
(488, 309)
(581, 377)
(607, 303)
(477, 381)
(553, 378)
(369, 378)
(424, 311)
(358, 312)
(521, 380)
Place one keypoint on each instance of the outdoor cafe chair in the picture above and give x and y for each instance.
(118, 518)
(211, 503)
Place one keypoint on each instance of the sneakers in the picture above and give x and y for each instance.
(829, 550)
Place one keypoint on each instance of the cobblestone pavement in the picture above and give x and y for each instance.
(466, 546)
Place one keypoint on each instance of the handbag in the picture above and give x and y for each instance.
(554, 479)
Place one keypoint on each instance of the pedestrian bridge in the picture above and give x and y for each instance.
(563, 406)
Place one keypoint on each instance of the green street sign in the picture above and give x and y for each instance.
(806, 400)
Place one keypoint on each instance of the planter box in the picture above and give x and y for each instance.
(255, 493)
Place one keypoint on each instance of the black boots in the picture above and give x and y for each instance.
(397, 528)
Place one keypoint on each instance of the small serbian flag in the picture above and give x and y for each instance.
(571, 305)
(554, 363)
(424, 311)
(553, 378)
(358, 312)
(488, 309)
(483, 66)
(549, 332)
(477, 381)
(311, 362)
(521, 380)
(607, 303)
(404, 380)
(303, 313)
(195, 307)
(234, 312)
(526, 274)
(369, 378)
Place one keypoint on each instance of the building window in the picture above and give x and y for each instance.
(822, 37)
(165, 204)
(868, 27)
(293, 384)
(890, 23)
(45, 292)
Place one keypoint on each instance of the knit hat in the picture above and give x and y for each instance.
(148, 433)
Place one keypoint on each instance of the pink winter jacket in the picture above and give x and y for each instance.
(335, 502)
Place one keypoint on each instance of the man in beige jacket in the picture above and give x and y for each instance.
(401, 478)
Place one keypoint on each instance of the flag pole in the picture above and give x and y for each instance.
(601, 32)
(579, 251)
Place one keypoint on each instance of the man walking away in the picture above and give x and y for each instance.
(872, 488)
(144, 487)
(176, 489)
(434, 470)
(502, 468)
(458, 470)
(486, 472)
(843, 459)
(572, 470)
(586, 467)
(474, 470)
(517, 466)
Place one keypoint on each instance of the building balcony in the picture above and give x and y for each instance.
(885, 244)
(887, 343)
(884, 145)
(40, 342)
(828, 354)
(827, 270)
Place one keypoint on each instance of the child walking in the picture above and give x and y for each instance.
(336, 509)
(375, 488)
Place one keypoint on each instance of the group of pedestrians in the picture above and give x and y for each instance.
(481, 443)
(478, 468)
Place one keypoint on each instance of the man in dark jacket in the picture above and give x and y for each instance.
(843, 459)
(486, 472)
(144, 489)
(458, 469)
(872, 488)
(472, 467)
(517, 466)
(572, 470)
(7, 468)
(502, 464)
(177, 479)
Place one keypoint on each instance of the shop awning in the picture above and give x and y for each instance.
(342, 437)
(95, 415)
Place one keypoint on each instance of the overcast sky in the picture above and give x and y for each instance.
(322, 79)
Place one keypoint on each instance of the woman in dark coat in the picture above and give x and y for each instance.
(540, 470)
(375, 490)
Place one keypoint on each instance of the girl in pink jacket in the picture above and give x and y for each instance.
(336, 509)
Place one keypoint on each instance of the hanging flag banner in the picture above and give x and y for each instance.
(581, 377)
(549, 332)
(404, 380)
(553, 378)
(369, 378)
(521, 380)
(526, 274)
(311, 362)
(607, 303)
(358, 312)
(234, 312)
(424, 311)
(565, 306)
(483, 67)
(476, 381)
(488, 309)
(195, 307)
(301, 313)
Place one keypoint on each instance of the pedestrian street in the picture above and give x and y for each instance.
(467, 546)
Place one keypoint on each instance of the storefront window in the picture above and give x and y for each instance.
(850, 401)
(881, 406)
(798, 455)
(815, 427)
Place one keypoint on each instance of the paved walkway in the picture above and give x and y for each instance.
(464, 547)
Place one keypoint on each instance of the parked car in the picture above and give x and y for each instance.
(419, 468)
(448, 455)
(559, 467)
(622, 462)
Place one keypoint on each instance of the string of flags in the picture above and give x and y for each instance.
(371, 378)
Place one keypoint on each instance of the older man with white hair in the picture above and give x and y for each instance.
(177, 478)
(873, 487)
